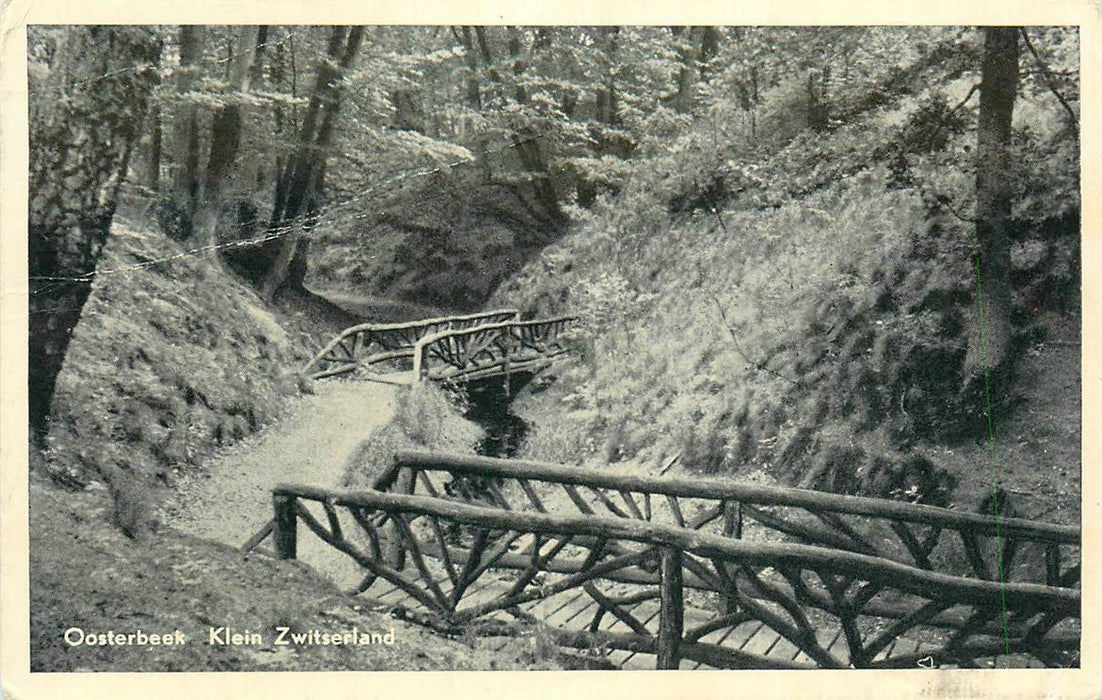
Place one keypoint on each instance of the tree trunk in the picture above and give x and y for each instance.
(709, 48)
(186, 183)
(755, 98)
(989, 335)
(225, 141)
(606, 110)
(474, 98)
(816, 99)
(474, 92)
(530, 152)
(519, 93)
(156, 145)
(683, 101)
(487, 54)
(156, 138)
(79, 151)
(303, 175)
(606, 103)
(527, 146)
(281, 63)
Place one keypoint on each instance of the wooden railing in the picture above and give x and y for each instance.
(803, 564)
(489, 349)
(373, 343)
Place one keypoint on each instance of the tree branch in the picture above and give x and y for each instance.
(719, 218)
(734, 340)
(963, 102)
(1049, 80)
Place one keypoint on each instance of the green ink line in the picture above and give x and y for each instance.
(991, 448)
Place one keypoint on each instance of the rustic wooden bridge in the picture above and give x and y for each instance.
(643, 571)
(450, 348)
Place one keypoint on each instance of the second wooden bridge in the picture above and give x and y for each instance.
(450, 348)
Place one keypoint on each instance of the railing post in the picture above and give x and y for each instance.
(286, 524)
(732, 519)
(508, 384)
(405, 482)
(732, 527)
(672, 614)
(419, 368)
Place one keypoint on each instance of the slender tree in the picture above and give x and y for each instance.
(709, 48)
(89, 105)
(156, 136)
(605, 95)
(302, 179)
(474, 91)
(186, 181)
(226, 137)
(474, 94)
(683, 97)
(989, 335)
(527, 139)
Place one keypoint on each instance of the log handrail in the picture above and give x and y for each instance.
(1034, 610)
(397, 330)
(516, 330)
(723, 490)
(1028, 596)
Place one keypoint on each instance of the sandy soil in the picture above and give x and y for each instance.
(231, 498)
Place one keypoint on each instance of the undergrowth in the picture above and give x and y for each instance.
(446, 241)
(800, 305)
(425, 417)
(169, 363)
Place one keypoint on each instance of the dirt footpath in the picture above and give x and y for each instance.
(232, 498)
(169, 580)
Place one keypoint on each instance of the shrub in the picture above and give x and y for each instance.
(426, 417)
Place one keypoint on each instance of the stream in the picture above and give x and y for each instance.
(491, 409)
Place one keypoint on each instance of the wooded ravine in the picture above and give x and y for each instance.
(844, 259)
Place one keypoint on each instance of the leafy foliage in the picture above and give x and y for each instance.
(794, 304)
(771, 244)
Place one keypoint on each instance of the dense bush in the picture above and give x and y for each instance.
(426, 417)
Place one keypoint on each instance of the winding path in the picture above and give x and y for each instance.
(231, 499)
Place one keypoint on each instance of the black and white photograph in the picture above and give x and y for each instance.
(552, 347)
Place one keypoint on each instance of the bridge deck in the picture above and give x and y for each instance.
(406, 378)
(574, 610)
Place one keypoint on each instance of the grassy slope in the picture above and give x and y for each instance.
(85, 573)
(168, 363)
(1035, 453)
(811, 326)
